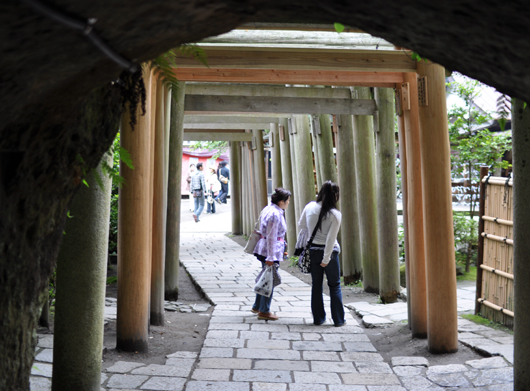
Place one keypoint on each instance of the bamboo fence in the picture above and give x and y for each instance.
(496, 295)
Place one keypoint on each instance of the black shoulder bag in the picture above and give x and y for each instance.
(304, 260)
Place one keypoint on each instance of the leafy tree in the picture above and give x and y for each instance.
(474, 146)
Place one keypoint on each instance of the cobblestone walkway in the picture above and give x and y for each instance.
(242, 353)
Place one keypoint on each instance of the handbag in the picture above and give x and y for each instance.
(223, 179)
(264, 282)
(254, 237)
(304, 260)
(210, 198)
(197, 193)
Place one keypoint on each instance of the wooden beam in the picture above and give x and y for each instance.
(243, 126)
(200, 130)
(220, 119)
(247, 57)
(266, 90)
(282, 76)
(198, 103)
(217, 136)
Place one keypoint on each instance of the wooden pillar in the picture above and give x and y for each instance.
(235, 176)
(417, 251)
(274, 137)
(318, 162)
(287, 177)
(521, 246)
(134, 232)
(159, 212)
(252, 182)
(350, 231)
(386, 197)
(176, 137)
(81, 278)
(365, 171)
(304, 161)
(328, 168)
(291, 130)
(404, 198)
(244, 188)
(442, 331)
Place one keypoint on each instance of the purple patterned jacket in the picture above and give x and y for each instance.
(273, 228)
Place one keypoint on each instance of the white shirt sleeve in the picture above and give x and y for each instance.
(332, 235)
(303, 235)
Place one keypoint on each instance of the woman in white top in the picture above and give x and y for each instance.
(213, 186)
(324, 252)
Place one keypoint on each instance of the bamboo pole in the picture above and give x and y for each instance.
(438, 214)
(386, 197)
(287, 177)
(351, 249)
(366, 194)
(480, 256)
(499, 181)
(497, 238)
(496, 271)
(418, 283)
(498, 221)
(404, 198)
(496, 307)
(174, 194)
(134, 228)
(316, 152)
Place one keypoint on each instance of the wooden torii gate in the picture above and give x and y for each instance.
(423, 139)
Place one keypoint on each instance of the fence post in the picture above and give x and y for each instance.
(480, 256)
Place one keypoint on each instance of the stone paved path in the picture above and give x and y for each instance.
(241, 353)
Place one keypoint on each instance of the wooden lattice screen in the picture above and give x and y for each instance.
(495, 285)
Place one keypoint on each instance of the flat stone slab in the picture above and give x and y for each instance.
(443, 369)
(494, 376)
(183, 354)
(359, 347)
(316, 378)
(376, 321)
(488, 363)
(407, 370)
(124, 366)
(217, 386)
(449, 380)
(408, 360)
(263, 386)
(164, 383)
(260, 375)
(268, 354)
(337, 367)
(285, 365)
(373, 367)
(41, 369)
(46, 355)
(40, 384)
(45, 341)
(340, 387)
(370, 379)
(320, 356)
(126, 381)
(162, 370)
(317, 345)
(361, 356)
(211, 374)
(186, 363)
(224, 363)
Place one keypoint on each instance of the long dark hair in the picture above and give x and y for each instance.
(280, 194)
(329, 196)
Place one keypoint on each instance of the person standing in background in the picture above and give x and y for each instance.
(188, 179)
(223, 174)
(214, 186)
(198, 188)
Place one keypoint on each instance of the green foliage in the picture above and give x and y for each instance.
(51, 287)
(474, 147)
(165, 64)
(339, 27)
(401, 242)
(416, 57)
(112, 280)
(293, 261)
(471, 276)
(479, 319)
(219, 146)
